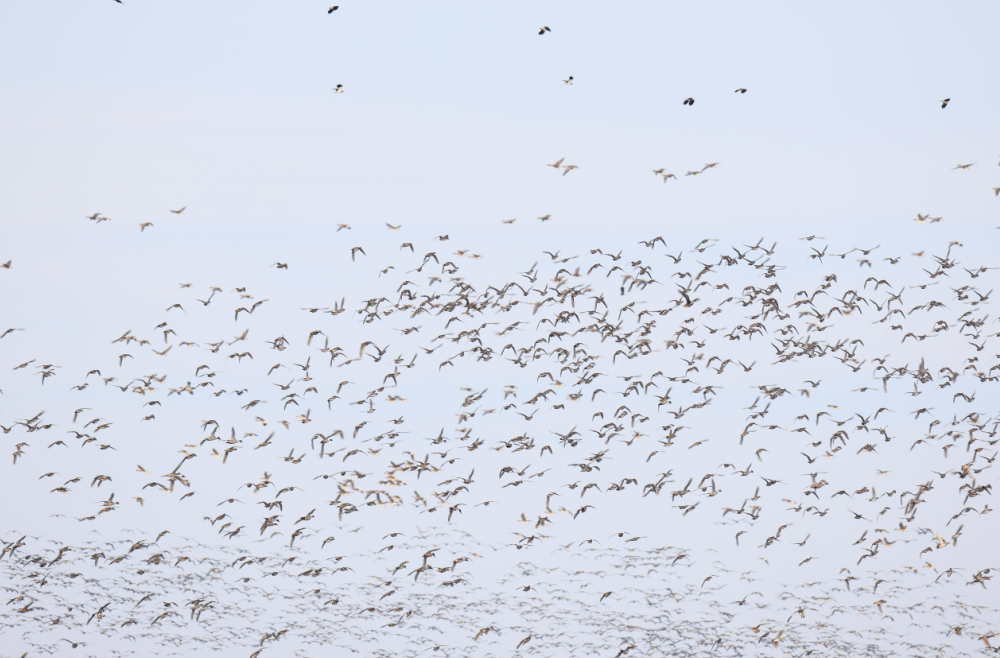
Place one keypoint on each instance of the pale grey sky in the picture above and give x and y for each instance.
(450, 114)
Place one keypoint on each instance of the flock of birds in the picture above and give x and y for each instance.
(641, 399)
(705, 449)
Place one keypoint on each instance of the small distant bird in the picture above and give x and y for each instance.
(689, 101)
(570, 81)
(541, 31)
(6, 265)
(944, 103)
(741, 90)
(177, 212)
(339, 89)
(545, 218)
(508, 221)
(996, 191)
(558, 163)
(569, 168)
(142, 227)
(668, 176)
(340, 226)
(963, 166)
(393, 228)
(333, 9)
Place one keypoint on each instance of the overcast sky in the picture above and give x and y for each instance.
(449, 116)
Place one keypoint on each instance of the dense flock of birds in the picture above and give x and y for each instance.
(704, 449)
(648, 396)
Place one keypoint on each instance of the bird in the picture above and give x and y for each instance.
(178, 212)
(741, 90)
(568, 168)
(557, 164)
(568, 81)
(945, 102)
(333, 9)
(965, 166)
(689, 101)
(339, 89)
(544, 30)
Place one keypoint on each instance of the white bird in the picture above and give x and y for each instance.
(558, 163)
(339, 89)
(569, 168)
(570, 81)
